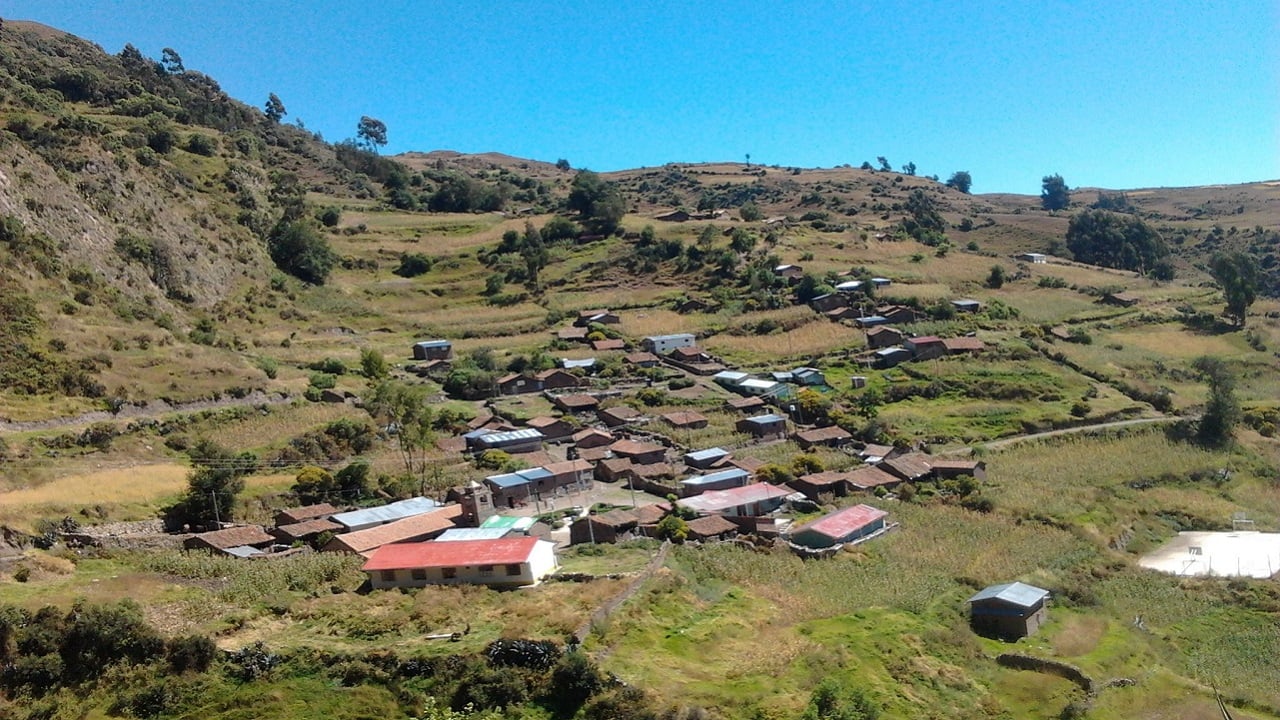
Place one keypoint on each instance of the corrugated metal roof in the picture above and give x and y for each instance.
(243, 551)
(507, 480)
(674, 336)
(508, 522)
(1014, 593)
(386, 513)
(708, 454)
(510, 436)
(404, 529)
(452, 554)
(480, 533)
(765, 419)
(433, 344)
(717, 500)
(717, 477)
(843, 523)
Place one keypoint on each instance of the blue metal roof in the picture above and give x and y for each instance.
(507, 480)
(708, 454)
(1014, 593)
(433, 344)
(386, 513)
(716, 477)
(873, 320)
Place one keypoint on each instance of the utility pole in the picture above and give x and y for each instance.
(213, 494)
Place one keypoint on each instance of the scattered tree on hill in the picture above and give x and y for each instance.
(1054, 194)
(1125, 242)
(833, 701)
(996, 279)
(171, 61)
(562, 165)
(1222, 413)
(216, 478)
(1237, 273)
(372, 133)
(315, 485)
(923, 221)
(299, 250)
(884, 163)
(403, 411)
(373, 365)
(909, 168)
(750, 212)
(960, 180)
(597, 201)
(810, 287)
(274, 109)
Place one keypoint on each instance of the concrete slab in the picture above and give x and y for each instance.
(1218, 554)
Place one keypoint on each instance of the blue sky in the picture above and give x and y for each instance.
(1110, 94)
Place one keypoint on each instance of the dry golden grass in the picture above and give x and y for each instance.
(1078, 635)
(125, 485)
(650, 321)
(818, 337)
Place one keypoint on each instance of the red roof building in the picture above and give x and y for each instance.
(847, 525)
(511, 561)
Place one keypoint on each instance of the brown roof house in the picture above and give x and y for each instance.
(830, 436)
(827, 482)
(710, 528)
(945, 469)
(304, 531)
(640, 453)
(555, 379)
(608, 344)
(618, 415)
(764, 426)
(910, 467)
(883, 336)
(602, 316)
(245, 541)
(515, 384)
(872, 477)
(925, 347)
(552, 428)
(576, 403)
(591, 437)
(685, 420)
(642, 359)
(964, 344)
(288, 516)
(410, 529)
(1008, 611)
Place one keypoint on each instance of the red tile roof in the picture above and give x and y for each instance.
(839, 525)
(455, 553)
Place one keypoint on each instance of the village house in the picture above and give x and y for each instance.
(867, 321)
(828, 483)
(881, 282)
(685, 420)
(639, 453)
(1008, 611)
(575, 403)
(289, 516)
(410, 529)
(664, 344)
(883, 336)
(944, 469)
(618, 415)
(245, 541)
(365, 518)
(304, 531)
(830, 436)
(608, 344)
(722, 480)
(910, 467)
(925, 347)
(693, 354)
(591, 438)
(790, 273)
(586, 365)
(890, 357)
(747, 501)
(673, 216)
(844, 313)
(897, 314)
(642, 359)
(710, 528)
(555, 379)
(850, 286)
(525, 440)
(963, 345)
(874, 453)
(705, 459)
(828, 302)
(432, 350)
(857, 382)
(508, 562)
(570, 475)
(747, 404)
(574, 333)
(606, 527)
(614, 470)
(1033, 258)
(763, 388)
(693, 305)
(965, 305)
(764, 426)
(730, 379)
(850, 525)
(871, 477)
(808, 377)
(601, 316)
(516, 384)
(1121, 299)
(552, 428)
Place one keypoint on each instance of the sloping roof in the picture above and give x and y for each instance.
(710, 526)
(924, 340)
(654, 470)
(580, 363)
(639, 358)
(769, 419)
(433, 344)
(717, 477)
(1014, 593)
(307, 512)
(579, 400)
(682, 418)
(609, 344)
(873, 450)
(957, 465)
(572, 333)
(871, 476)
(508, 522)
(235, 536)
(591, 433)
(386, 513)
(540, 423)
(651, 514)
(568, 466)
(595, 453)
(409, 528)
(509, 436)
(826, 477)
(632, 447)
(553, 372)
(909, 466)
(843, 523)
(314, 526)
(615, 465)
(708, 454)
(688, 352)
(621, 412)
(745, 403)
(480, 533)
(451, 554)
(883, 330)
(964, 344)
(718, 500)
(673, 336)
(824, 434)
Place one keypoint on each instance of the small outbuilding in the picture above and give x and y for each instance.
(432, 350)
(1008, 611)
(843, 526)
(764, 426)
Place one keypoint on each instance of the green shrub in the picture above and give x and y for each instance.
(413, 265)
(323, 381)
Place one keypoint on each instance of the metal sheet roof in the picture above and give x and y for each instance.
(708, 454)
(718, 500)
(716, 477)
(843, 523)
(386, 513)
(765, 419)
(674, 336)
(1014, 593)
(508, 522)
(433, 344)
(480, 533)
(510, 436)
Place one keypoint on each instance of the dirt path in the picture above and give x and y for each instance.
(603, 612)
(1005, 442)
(149, 409)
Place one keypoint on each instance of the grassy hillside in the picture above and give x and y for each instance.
(142, 310)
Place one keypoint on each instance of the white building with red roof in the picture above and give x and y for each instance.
(506, 562)
(843, 526)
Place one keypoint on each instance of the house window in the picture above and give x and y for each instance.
(448, 573)
(513, 569)
(388, 576)
(418, 574)
(486, 570)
